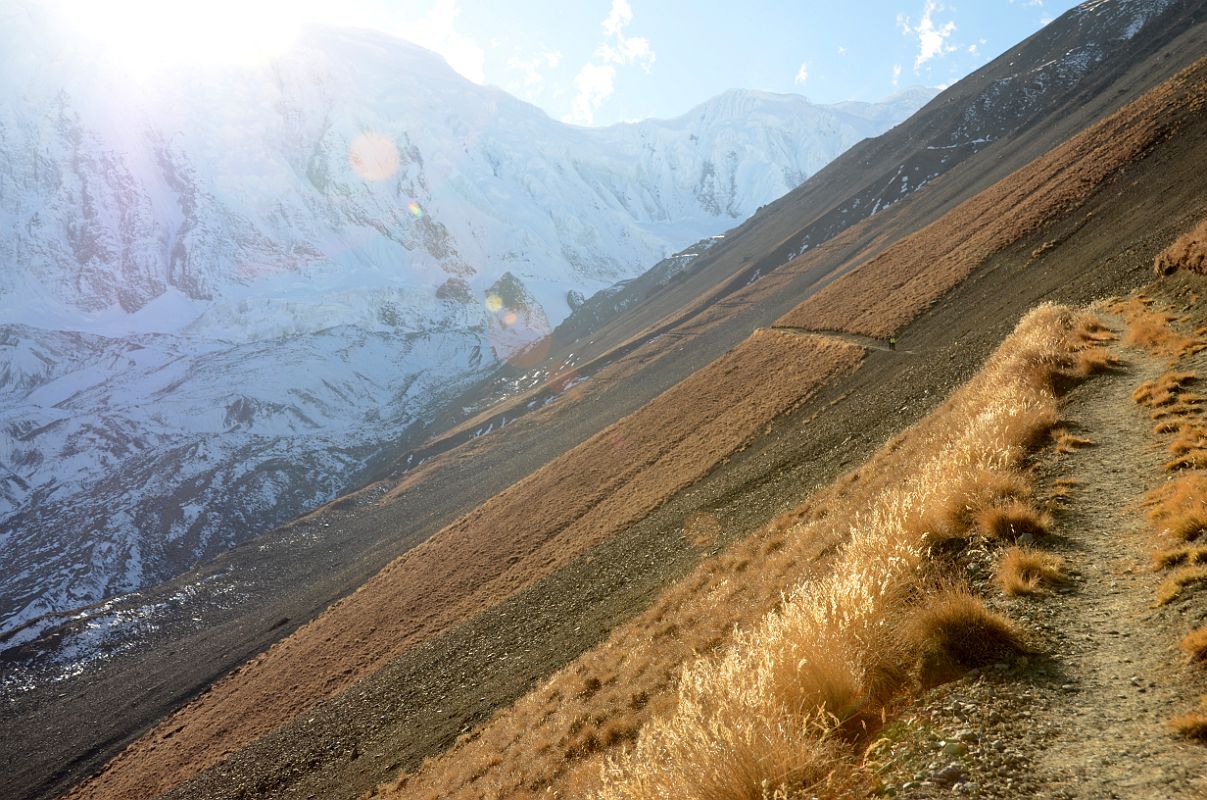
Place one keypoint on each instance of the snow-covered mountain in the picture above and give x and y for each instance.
(223, 290)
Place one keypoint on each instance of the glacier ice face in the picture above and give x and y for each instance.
(223, 291)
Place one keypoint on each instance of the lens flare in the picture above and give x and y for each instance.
(415, 209)
(493, 303)
(374, 156)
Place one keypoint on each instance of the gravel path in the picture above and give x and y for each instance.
(1084, 718)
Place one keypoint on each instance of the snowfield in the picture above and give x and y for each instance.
(224, 291)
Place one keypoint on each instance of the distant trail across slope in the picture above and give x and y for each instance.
(866, 342)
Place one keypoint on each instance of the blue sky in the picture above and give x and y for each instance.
(597, 62)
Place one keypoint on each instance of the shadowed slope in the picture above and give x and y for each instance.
(614, 478)
(887, 292)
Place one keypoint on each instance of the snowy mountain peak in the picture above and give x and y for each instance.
(235, 285)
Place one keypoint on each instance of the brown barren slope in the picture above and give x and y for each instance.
(886, 293)
(579, 499)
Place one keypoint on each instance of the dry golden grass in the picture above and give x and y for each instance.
(1023, 571)
(1011, 520)
(1178, 509)
(964, 456)
(1095, 361)
(1188, 449)
(886, 292)
(1180, 579)
(953, 632)
(1194, 724)
(1167, 426)
(826, 660)
(1188, 252)
(1089, 331)
(1152, 330)
(1180, 556)
(1067, 442)
(514, 539)
(1194, 644)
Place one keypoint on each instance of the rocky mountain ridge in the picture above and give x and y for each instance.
(215, 314)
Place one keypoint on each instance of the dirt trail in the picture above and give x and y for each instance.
(1117, 651)
(866, 342)
(1085, 718)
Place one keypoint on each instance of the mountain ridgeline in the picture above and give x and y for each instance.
(545, 507)
(215, 316)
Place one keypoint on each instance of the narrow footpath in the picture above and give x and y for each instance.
(1085, 717)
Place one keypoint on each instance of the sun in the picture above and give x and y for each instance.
(146, 36)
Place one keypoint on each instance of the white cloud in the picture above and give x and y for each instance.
(532, 70)
(932, 40)
(802, 75)
(842, 51)
(593, 84)
(896, 74)
(437, 31)
(618, 48)
(596, 81)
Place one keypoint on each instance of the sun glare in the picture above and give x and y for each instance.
(145, 36)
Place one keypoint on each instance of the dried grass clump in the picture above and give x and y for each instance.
(1164, 389)
(1178, 580)
(1168, 426)
(1194, 724)
(1023, 571)
(1188, 450)
(1178, 509)
(1067, 442)
(1095, 361)
(954, 632)
(765, 717)
(952, 516)
(1152, 331)
(1180, 556)
(1089, 330)
(1195, 644)
(1012, 520)
(1188, 252)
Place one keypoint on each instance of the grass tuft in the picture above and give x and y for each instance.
(1095, 361)
(1195, 644)
(1192, 726)
(1180, 556)
(1188, 252)
(1179, 579)
(1152, 331)
(1067, 442)
(1178, 508)
(1090, 330)
(1022, 571)
(1011, 520)
(954, 632)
